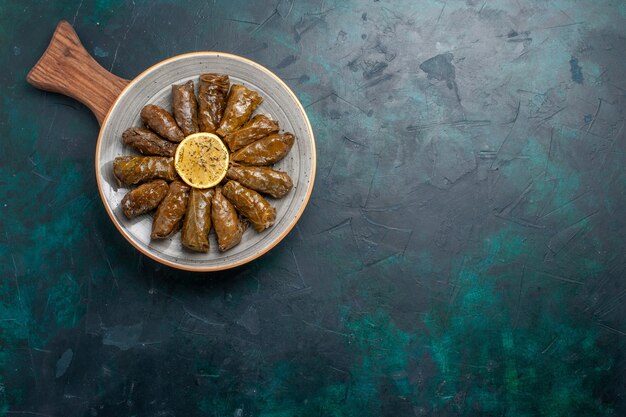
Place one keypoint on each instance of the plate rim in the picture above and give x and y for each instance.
(254, 255)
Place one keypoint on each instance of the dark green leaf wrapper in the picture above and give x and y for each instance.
(251, 204)
(185, 107)
(266, 151)
(161, 122)
(241, 104)
(262, 179)
(256, 128)
(144, 198)
(147, 142)
(169, 215)
(131, 170)
(228, 227)
(197, 224)
(212, 96)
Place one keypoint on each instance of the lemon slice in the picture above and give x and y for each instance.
(201, 160)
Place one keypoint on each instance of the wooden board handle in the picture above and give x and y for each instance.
(67, 68)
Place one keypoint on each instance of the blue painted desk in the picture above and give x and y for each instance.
(462, 253)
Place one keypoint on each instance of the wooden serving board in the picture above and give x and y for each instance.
(67, 68)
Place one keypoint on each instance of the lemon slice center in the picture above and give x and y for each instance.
(201, 160)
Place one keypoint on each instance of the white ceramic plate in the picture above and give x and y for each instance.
(153, 86)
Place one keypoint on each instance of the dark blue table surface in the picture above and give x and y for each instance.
(462, 253)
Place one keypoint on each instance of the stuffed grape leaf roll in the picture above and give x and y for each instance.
(129, 170)
(261, 179)
(185, 107)
(144, 198)
(197, 224)
(256, 128)
(147, 142)
(161, 122)
(212, 96)
(241, 104)
(266, 151)
(169, 215)
(228, 227)
(251, 204)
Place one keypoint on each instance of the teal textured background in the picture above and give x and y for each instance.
(462, 253)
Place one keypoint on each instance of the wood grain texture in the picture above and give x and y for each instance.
(67, 68)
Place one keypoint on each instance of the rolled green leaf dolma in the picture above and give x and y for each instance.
(185, 107)
(144, 198)
(266, 151)
(212, 96)
(251, 204)
(197, 224)
(169, 215)
(228, 227)
(147, 142)
(131, 170)
(256, 128)
(161, 122)
(241, 104)
(261, 179)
